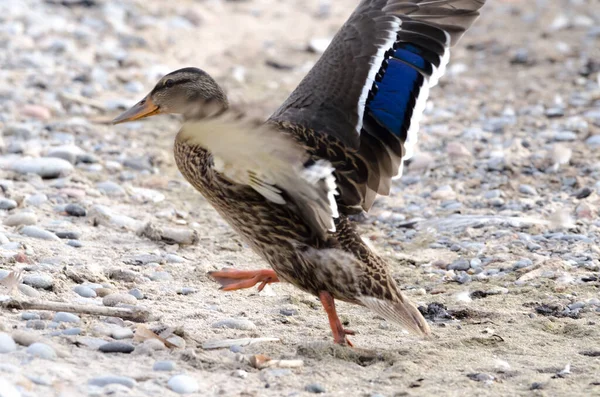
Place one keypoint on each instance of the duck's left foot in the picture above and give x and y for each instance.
(232, 280)
(339, 332)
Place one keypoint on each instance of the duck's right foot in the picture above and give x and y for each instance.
(232, 280)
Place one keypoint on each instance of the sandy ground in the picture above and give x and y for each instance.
(506, 335)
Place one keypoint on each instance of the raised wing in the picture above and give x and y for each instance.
(369, 89)
(270, 162)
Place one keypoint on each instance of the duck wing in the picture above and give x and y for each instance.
(368, 90)
(270, 162)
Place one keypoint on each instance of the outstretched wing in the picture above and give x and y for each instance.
(270, 162)
(369, 89)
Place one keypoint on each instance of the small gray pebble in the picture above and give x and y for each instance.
(110, 188)
(475, 262)
(36, 232)
(102, 381)
(161, 276)
(527, 189)
(41, 281)
(183, 384)
(115, 299)
(584, 192)
(576, 305)
(460, 264)
(163, 366)
(7, 204)
(41, 350)
(63, 317)
(46, 167)
(236, 349)
(137, 293)
(75, 243)
(121, 333)
(68, 235)
(522, 264)
(117, 347)
(75, 210)
(315, 388)
(288, 312)
(29, 316)
(187, 291)
(235, 323)
(172, 258)
(36, 324)
(7, 344)
(84, 291)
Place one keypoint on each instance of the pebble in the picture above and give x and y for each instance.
(21, 218)
(41, 350)
(36, 324)
(84, 291)
(75, 210)
(29, 316)
(63, 317)
(117, 347)
(7, 204)
(528, 190)
(36, 199)
(186, 291)
(460, 264)
(593, 141)
(36, 232)
(106, 380)
(7, 343)
(136, 293)
(70, 153)
(69, 235)
(121, 333)
(235, 323)
(110, 188)
(40, 281)
(522, 264)
(183, 384)
(46, 167)
(584, 192)
(315, 388)
(75, 243)
(164, 366)
(115, 299)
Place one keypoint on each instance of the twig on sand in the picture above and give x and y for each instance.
(138, 315)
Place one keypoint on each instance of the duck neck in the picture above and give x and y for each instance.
(205, 106)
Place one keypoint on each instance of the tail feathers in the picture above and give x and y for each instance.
(401, 311)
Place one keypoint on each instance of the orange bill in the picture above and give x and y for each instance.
(144, 108)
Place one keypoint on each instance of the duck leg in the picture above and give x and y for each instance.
(232, 280)
(339, 333)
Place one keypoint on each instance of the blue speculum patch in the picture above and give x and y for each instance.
(401, 78)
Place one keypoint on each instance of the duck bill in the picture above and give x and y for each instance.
(144, 108)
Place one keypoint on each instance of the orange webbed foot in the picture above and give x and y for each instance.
(232, 280)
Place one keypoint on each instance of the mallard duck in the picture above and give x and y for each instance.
(289, 185)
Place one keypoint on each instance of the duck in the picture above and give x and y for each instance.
(290, 186)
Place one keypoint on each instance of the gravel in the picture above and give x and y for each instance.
(62, 317)
(117, 347)
(106, 380)
(44, 167)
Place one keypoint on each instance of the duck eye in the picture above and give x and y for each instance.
(169, 83)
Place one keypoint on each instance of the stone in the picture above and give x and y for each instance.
(41, 350)
(110, 188)
(7, 204)
(36, 232)
(121, 333)
(102, 381)
(527, 189)
(63, 317)
(40, 281)
(46, 167)
(84, 291)
(70, 153)
(75, 210)
(234, 323)
(7, 343)
(117, 347)
(21, 218)
(315, 388)
(115, 299)
(164, 366)
(183, 384)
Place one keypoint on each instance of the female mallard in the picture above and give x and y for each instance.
(354, 118)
